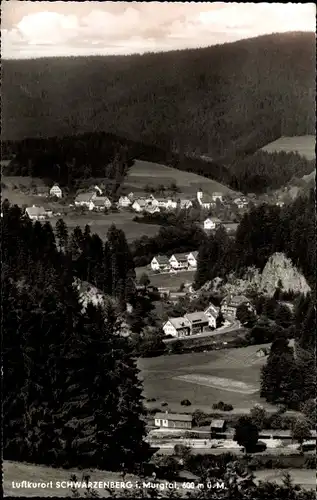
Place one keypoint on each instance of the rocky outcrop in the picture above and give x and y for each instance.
(280, 271)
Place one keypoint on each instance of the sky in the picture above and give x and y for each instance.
(41, 29)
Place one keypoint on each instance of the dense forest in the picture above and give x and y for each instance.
(72, 395)
(174, 106)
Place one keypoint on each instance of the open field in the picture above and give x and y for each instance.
(303, 145)
(161, 379)
(155, 174)
(168, 280)
(15, 189)
(100, 223)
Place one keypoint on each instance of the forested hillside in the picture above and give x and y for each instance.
(217, 100)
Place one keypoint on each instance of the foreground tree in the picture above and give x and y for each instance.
(258, 416)
(301, 430)
(246, 434)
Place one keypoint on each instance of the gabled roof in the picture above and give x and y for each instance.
(180, 417)
(35, 211)
(141, 201)
(179, 323)
(194, 253)
(236, 300)
(84, 197)
(213, 310)
(197, 317)
(181, 257)
(100, 201)
(55, 186)
(162, 259)
(217, 423)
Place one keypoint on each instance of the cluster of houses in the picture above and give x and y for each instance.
(178, 261)
(171, 420)
(202, 321)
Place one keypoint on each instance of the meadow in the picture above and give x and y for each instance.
(228, 375)
(154, 174)
(303, 145)
(172, 281)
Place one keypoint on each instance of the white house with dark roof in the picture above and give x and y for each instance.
(85, 200)
(56, 191)
(205, 200)
(177, 327)
(192, 259)
(36, 213)
(211, 223)
(212, 313)
(199, 322)
(160, 263)
(230, 304)
(101, 202)
(173, 420)
(124, 202)
(179, 261)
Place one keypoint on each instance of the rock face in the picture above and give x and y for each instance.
(279, 270)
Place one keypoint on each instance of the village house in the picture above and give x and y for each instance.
(85, 200)
(139, 205)
(160, 263)
(217, 196)
(177, 327)
(205, 200)
(36, 213)
(211, 223)
(173, 420)
(56, 191)
(192, 259)
(179, 261)
(230, 304)
(185, 204)
(261, 353)
(212, 313)
(101, 202)
(199, 322)
(217, 426)
(150, 209)
(124, 202)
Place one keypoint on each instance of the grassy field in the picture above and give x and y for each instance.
(203, 370)
(154, 174)
(172, 281)
(304, 145)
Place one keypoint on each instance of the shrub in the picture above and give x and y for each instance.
(222, 406)
(227, 407)
(164, 404)
(151, 400)
(185, 402)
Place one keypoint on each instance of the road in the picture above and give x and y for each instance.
(212, 333)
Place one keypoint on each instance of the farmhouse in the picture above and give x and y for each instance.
(204, 200)
(56, 191)
(199, 322)
(217, 196)
(35, 213)
(140, 204)
(217, 426)
(212, 313)
(173, 420)
(124, 202)
(160, 263)
(211, 223)
(101, 202)
(85, 200)
(192, 259)
(177, 327)
(185, 204)
(229, 305)
(179, 261)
